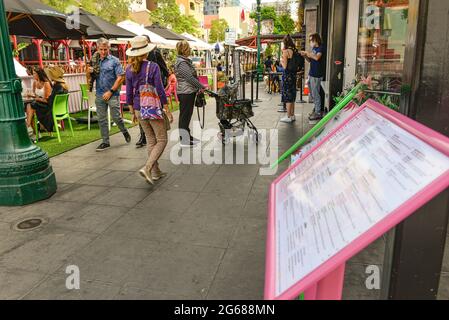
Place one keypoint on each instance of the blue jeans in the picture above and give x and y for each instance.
(315, 87)
(102, 112)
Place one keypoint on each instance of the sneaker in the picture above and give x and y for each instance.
(159, 176)
(293, 118)
(141, 143)
(287, 120)
(143, 172)
(127, 137)
(316, 116)
(194, 140)
(103, 147)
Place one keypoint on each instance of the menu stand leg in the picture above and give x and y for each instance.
(331, 287)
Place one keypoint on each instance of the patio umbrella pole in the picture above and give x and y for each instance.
(25, 172)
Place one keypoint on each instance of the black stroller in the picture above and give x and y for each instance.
(234, 114)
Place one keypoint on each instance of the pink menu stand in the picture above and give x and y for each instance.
(326, 281)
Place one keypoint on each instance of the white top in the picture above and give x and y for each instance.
(40, 92)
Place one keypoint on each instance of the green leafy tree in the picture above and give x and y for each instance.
(168, 15)
(111, 10)
(266, 13)
(218, 30)
(59, 4)
(284, 24)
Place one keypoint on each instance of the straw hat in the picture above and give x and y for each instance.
(139, 46)
(55, 74)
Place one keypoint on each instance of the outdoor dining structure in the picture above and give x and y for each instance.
(40, 36)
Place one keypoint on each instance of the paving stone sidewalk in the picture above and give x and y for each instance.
(197, 234)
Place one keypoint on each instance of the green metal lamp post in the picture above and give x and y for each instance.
(25, 172)
(259, 66)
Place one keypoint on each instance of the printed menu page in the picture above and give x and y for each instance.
(355, 179)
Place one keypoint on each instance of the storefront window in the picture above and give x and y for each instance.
(381, 44)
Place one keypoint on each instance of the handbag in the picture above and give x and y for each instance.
(200, 100)
(200, 103)
(166, 121)
(150, 103)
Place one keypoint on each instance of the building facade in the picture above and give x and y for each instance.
(233, 16)
(193, 8)
(139, 10)
(403, 46)
(211, 7)
(230, 3)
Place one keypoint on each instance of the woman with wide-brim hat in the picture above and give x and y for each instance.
(141, 74)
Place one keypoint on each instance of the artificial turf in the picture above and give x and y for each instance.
(81, 136)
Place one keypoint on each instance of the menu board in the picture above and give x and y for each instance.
(353, 180)
(341, 117)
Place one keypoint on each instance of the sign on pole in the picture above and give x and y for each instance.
(230, 36)
(368, 175)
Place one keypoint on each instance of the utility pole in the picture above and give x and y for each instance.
(259, 66)
(25, 172)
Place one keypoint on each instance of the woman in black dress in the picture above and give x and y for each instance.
(59, 86)
(41, 92)
(288, 79)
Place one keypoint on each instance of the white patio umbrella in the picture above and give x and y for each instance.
(21, 71)
(197, 42)
(139, 30)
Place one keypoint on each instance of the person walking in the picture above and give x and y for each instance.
(289, 78)
(188, 87)
(316, 74)
(108, 84)
(145, 96)
(154, 56)
(170, 89)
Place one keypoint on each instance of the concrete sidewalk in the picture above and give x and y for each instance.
(197, 234)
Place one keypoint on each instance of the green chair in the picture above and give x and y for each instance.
(84, 94)
(89, 97)
(61, 112)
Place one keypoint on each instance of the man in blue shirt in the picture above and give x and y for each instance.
(108, 86)
(316, 74)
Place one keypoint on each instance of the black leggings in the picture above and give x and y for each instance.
(186, 106)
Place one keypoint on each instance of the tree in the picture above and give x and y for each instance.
(111, 10)
(266, 13)
(58, 4)
(218, 30)
(284, 24)
(168, 15)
